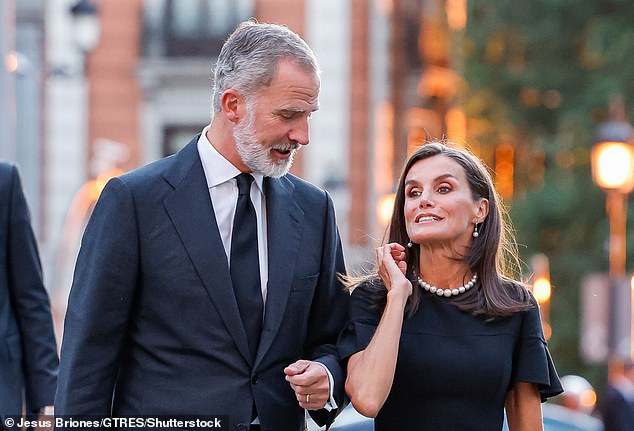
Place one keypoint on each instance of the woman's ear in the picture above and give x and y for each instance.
(482, 209)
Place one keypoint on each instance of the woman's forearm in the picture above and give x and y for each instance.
(523, 408)
(371, 371)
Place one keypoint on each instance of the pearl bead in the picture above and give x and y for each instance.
(448, 292)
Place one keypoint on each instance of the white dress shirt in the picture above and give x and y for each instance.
(223, 189)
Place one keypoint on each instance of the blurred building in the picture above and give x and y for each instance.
(21, 94)
(391, 77)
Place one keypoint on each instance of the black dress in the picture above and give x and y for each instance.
(453, 370)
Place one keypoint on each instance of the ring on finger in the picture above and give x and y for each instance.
(307, 398)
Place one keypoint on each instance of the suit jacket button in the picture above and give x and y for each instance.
(242, 427)
(255, 379)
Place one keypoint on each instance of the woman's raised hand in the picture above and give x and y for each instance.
(392, 268)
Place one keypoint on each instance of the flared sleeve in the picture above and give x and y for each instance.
(532, 361)
(364, 318)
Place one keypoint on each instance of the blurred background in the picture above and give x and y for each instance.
(541, 90)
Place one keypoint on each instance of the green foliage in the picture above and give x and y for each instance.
(541, 73)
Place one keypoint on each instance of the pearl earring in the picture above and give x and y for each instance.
(475, 230)
(409, 244)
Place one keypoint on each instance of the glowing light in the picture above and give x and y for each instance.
(456, 124)
(541, 289)
(457, 14)
(11, 62)
(505, 169)
(588, 399)
(385, 206)
(613, 166)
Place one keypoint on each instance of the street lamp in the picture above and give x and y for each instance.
(613, 171)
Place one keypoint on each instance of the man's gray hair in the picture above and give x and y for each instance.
(248, 59)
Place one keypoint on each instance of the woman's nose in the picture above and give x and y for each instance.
(425, 201)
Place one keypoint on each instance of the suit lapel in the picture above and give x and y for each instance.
(284, 218)
(190, 209)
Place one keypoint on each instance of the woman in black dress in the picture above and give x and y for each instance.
(441, 337)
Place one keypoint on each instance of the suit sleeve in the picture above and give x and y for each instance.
(329, 313)
(31, 304)
(99, 306)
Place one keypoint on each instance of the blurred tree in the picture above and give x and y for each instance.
(540, 76)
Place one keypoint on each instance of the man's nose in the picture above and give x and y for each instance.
(300, 133)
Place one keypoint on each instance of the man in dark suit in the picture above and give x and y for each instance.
(207, 282)
(28, 355)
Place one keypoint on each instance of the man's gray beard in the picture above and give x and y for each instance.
(255, 155)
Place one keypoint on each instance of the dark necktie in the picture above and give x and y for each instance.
(245, 265)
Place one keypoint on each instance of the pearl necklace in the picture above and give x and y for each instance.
(448, 292)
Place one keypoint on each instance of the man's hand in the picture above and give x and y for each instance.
(310, 382)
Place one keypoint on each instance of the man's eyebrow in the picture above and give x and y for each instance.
(298, 110)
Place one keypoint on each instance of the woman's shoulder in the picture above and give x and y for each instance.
(527, 311)
(368, 290)
(518, 292)
(368, 285)
(501, 298)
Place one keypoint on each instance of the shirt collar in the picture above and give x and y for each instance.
(217, 169)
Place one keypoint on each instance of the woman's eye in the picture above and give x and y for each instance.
(413, 193)
(444, 189)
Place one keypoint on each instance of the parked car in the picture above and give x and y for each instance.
(556, 418)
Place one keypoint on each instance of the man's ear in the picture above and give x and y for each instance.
(232, 104)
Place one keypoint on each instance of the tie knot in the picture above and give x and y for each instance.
(244, 184)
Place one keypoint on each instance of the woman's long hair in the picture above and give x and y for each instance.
(492, 255)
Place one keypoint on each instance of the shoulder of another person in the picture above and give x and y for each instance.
(7, 172)
(6, 167)
(8, 181)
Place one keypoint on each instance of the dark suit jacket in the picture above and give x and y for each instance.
(152, 317)
(28, 352)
